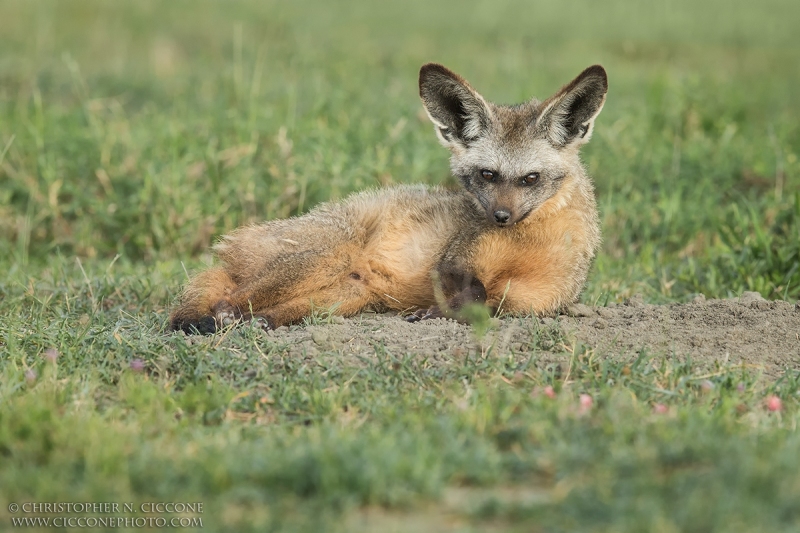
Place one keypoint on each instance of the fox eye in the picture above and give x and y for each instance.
(531, 178)
(487, 175)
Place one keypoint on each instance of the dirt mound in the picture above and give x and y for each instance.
(750, 330)
(759, 333)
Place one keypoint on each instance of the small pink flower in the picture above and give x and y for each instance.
(137, 365)
(740, 387)
(660, 409)
(774, 403)
(51, 354)
(706, 386)
(586, 402)
(549, 392)
(30, 375)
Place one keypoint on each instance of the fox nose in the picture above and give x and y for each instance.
(501, 216)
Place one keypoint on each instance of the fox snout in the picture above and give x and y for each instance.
(504, 215)
(503, 205)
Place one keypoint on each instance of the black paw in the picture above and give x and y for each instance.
(203, 326)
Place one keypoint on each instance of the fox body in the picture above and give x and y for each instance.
(519, 236)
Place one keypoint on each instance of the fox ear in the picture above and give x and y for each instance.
(567, 118)
(459, 113)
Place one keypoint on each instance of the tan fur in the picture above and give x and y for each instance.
(540, 265)
(393, 249)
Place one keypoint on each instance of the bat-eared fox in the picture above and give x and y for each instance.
(519, 236)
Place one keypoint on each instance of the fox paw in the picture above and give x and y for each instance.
(225, 318)
(263, 323)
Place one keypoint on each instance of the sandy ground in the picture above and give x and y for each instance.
(764, 335)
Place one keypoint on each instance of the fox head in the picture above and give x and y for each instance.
(512, 158)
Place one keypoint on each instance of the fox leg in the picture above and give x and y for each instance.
(275, 298)
(196, 312)
(295, 310)
(459, 288)
(222, 295)
(198, 315)
(323, 277)
(263, 267)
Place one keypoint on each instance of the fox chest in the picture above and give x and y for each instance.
(542, 259)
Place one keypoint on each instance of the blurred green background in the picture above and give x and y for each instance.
(133, 133)
(146, 129)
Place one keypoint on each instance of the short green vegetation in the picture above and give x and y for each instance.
(132, 134)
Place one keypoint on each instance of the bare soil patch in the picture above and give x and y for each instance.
(763, 335)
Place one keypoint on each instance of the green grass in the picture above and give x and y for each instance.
(134, 133)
